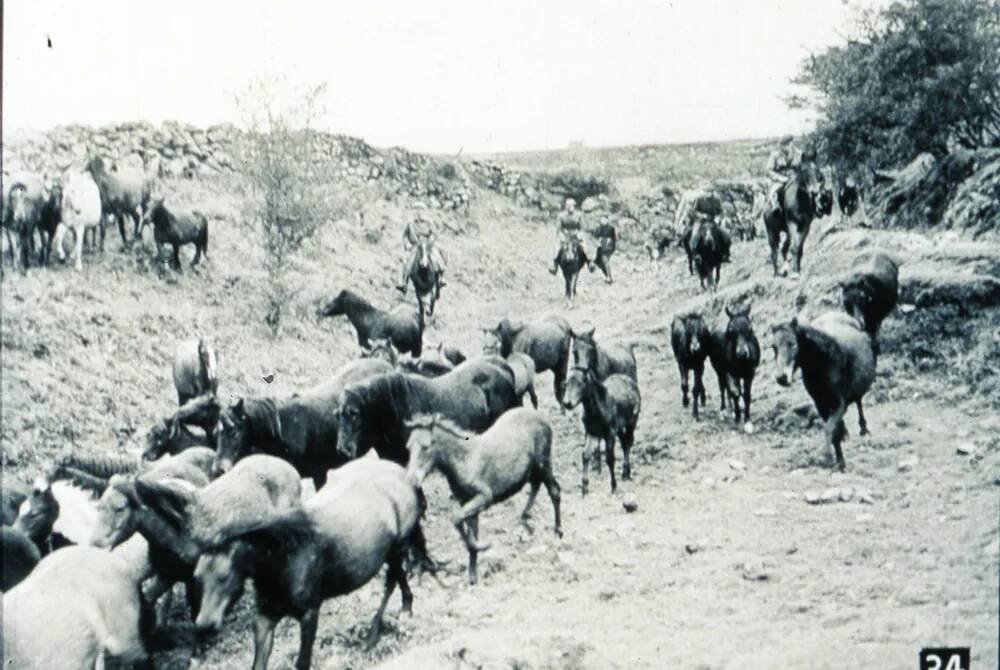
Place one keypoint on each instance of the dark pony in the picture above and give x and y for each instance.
(374, 412)
(803, 199)
(689, 339)
(708, 247)
(546, 341)
(402, 326)
(838, 367)
(735, 355)
(301, 429)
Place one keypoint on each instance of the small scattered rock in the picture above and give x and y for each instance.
(907, 464)
(864, 518)
(748, 428)
(755, 571)
(812, 497)
(830, 496)
(965, 449)
(696, 546)
(630, 505)
(846, 494)
(737, 465)
(906, 309)
(866, 498)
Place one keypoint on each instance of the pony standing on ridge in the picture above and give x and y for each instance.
(80, 211)
(483, 470)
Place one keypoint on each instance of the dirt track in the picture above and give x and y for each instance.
(723, 565)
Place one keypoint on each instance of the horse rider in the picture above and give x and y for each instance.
(783, 162)
(417, 231)
(570, 225)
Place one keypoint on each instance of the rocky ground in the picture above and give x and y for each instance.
(743, 550)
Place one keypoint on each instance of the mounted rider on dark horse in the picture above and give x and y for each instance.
(798, 194)
(425, 266)
(571, 256)
(419, 237)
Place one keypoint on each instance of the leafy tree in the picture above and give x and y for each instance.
(918, 75)
(289, 177)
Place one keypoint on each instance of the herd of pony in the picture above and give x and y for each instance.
(96, 542)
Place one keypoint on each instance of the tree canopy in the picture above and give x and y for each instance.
(917, 76)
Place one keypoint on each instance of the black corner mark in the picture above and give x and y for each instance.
(48, 40)
(945, 658)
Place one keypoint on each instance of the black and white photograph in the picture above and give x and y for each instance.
(471, 335)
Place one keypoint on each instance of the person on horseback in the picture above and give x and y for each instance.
(570, 225)
(417, 231)
(781, 165)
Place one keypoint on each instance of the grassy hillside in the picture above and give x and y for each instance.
(724, 564)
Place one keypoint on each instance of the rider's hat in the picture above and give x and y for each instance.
(787, 139)
(570, 201)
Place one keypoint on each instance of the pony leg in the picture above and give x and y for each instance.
(861, 418)
(609, 456)
(835, 432)
(78, 262)
(552, 486)
(626, 441)
(585, 464)
(722, 391)
(394, 575)
(684, 385)
(532, 395)
(526, 514)
(473, 529)
(469, 510)
(307, 637)
(263, 640)
(697, 392)
(773, 240)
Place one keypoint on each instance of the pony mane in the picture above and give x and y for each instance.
(385, 389)
(276, 533)
(263, 417)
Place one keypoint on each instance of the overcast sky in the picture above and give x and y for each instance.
(430, 75)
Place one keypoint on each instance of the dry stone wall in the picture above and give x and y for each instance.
(181, 151)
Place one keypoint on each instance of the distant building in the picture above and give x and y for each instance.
(575, 145)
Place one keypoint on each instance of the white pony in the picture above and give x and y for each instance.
(81, 209)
